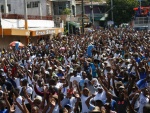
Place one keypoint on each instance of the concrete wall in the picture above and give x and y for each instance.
(16, 23)
(17, 7)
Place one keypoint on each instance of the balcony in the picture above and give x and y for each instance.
(141, 22)
(30, 17)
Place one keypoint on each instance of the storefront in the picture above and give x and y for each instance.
(23, 35)
(44, 33)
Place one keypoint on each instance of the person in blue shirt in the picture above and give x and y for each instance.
(2, 107)
(94, 66)
(137, 58)
(89, 50)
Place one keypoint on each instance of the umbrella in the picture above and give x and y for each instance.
(14, 43)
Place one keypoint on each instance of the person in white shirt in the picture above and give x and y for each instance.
(17, 98)
(74, 78)
(100, 95)
(144, 99)
(29, 91)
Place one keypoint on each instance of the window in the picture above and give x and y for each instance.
(2, 8)
(9, 7)
(33, 4)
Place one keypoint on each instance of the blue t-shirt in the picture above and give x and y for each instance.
(94, 73)
(113, 105)
(4, 111)
(138, 60)
(143, 75)
(89, 50)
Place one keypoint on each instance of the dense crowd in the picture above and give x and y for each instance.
(102, 71)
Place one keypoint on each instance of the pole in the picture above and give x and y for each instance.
(40, 10)
(82, 17)
(92, 12)
(112, 15)
(1, 23)
(140, 3)
(26, 20)
(5, 7)
(25, 14)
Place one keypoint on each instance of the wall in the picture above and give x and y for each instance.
(17, 7)
(16, 23)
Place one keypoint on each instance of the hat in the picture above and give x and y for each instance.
(49, 68)
(55, 96)
(121, 87)
(118, 83)
(1, 70)
(38, 98)
(71, 70)
(46, 72)
(60, 68)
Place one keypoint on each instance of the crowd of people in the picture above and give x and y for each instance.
(102, 71)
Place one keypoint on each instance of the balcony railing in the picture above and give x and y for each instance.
(142, 20)
(30, 17)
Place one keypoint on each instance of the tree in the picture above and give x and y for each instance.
(122, 10)
(66, 11)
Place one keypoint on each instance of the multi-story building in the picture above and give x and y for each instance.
(34, 7)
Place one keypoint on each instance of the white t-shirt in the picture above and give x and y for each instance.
(101, 96)
(84, 106)
(77, 78)
(143, 100)
(19, 100)
(29, 90)
(55, 110)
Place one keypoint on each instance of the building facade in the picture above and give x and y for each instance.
(34, 7)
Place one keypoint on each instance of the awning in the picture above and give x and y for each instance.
(46, 31)
(14, 32)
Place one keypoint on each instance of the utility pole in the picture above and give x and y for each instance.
(26, 20)
(5, 7)
(40, 10)
(25, 14)
(92, 12)
(82, 17)
(112, 15)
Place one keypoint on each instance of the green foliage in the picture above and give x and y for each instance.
(66, 11)
(96, 0)
(123, 10)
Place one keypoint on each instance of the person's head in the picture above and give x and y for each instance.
(145, 91)
(24, 82)
(68, 107)
(16, 92)
(84, 74)
(98, 103)
(37, 101)
(121, 92)
(69, 93)
(78, 69)
(2, 104)
(100, 89)
(35, 109)
(86, 92)
(96, 110)
(107, 106)
(146, 108)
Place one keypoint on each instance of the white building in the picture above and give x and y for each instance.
(34, 7)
